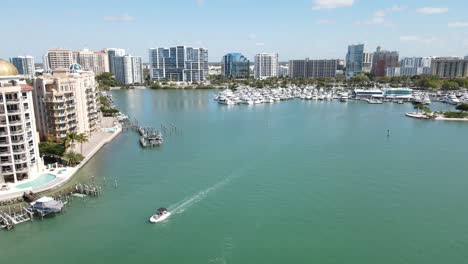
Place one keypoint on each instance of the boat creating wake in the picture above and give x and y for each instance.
(183, 205)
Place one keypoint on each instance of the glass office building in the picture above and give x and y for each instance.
(354, 60)
(179, 64)
(235, 66)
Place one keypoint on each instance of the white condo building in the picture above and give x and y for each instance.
(415, 66)
(266, 65)
(128, 69)
(25, 66)
(19, 150)
(111, 54)
(57, 59)
(66, 101)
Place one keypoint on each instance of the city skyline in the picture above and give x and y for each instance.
(400, 25)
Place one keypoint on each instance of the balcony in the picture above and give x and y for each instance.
(15, 122)
(17, 132)
(7, 171)
(12, 101)
(13, 112)
(22, 170)
(17, 141)
(21, 160)
(4, 143)
(19, 150)
(3, 133)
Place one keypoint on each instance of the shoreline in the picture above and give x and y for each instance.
(61, 178)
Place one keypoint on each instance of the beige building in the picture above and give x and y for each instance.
(450, 67)
(57, 59)
(19, 150)
(96, 61)
(66, 101)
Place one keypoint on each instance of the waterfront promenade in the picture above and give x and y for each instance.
(110, 128)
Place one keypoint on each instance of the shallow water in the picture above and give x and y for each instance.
(291, 182)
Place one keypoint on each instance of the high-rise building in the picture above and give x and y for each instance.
(128, 69)
(25, 66)
(283, 70)
(392, 72)
(367, 61)
(95, 61)
(66, 101)
(312, 68)
(382, 60)
(450, 67)
(58, 59)
(111, 54)
(266, 65)
(235, 65)
(19, 150)
(354, 60)
(415, 66)
(179, 64)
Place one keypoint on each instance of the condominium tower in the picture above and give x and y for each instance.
(415, 66)
(382, 60)
(111, 54)
(312, 68)
(266, 65)
(354, 60)
(235, 65)
(19, 150)
(57, 59)
(25, 66)
(66, 100)
(96, 61)
(128, 69)
(451, 67)
(179, 64)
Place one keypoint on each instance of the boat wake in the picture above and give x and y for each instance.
(183, 205)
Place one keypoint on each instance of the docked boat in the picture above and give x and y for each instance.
(161, 215)
(451, 99)
(426, 100)
(344, 97)
(374, 101)
(46, 205)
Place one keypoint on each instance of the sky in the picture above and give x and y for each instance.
(295, 29)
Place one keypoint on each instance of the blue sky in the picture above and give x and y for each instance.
(293, 28)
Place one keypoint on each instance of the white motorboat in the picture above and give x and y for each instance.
(160, 216)
(451, 99)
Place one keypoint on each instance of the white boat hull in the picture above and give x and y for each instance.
(160, 219)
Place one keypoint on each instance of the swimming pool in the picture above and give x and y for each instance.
(41, 180)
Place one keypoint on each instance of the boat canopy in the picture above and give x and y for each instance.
(162, 209)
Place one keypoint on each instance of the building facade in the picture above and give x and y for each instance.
(235, 66)
(25, 66)
(111, 54)
(354, 60)
(367, 61)
(313, 68)
(382, 60)
(95, 61)
(19, 150)
(179, 64)
(450, 67)
(128, 69)
(66, 101)
(415, 66)
(57, 59)
(392, 72)
(266, 65)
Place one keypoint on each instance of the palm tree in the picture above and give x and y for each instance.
(70, 139)
(82, 138)
(72, 158)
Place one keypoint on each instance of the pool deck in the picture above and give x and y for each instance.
(64, 174)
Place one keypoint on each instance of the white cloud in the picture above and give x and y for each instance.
(379, 17)
(325, 22)
(259, 44)
(331, 4)
(123, 18)
(413, 38)
(200, 2)
(432, 10)
(458, 24)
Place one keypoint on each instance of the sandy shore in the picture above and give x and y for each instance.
(110, 128)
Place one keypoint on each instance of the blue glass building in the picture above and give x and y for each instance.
(235, 65)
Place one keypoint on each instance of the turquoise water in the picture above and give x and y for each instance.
(292, 182)
(40, 180)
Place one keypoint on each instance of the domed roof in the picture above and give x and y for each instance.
(7, 69)
(75, 67)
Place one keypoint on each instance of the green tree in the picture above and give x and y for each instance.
(82, 138)
(51, 149)
(450, 85)
(70, 139)
(462, 107)
(72, 158)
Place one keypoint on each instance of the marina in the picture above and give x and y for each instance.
(235, 171)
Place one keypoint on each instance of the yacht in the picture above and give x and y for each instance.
(344, 97)
(374, 101)
(451, 99)
(426, 100)
(161, 215)
(46, 205)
